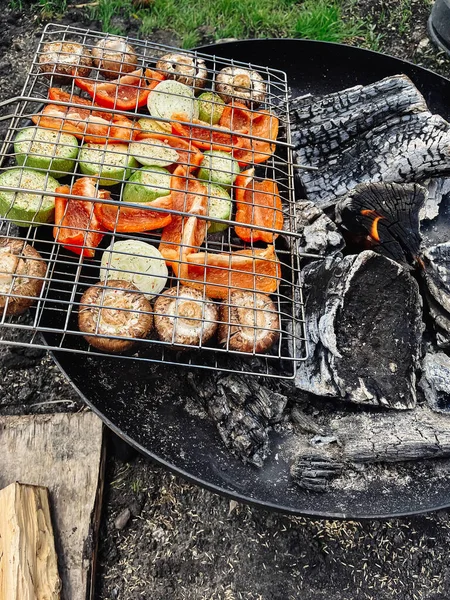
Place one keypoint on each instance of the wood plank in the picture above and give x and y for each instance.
(28, 562)
(65, 453)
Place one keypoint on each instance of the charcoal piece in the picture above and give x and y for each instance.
(387, 213)
(364, 331)
(435, 381)
(438, 188)
(305, 422)
(243, 410)
(319, 234)
(403, 149)
(440, 316)
(436, 273)
(442, 339)
(437, 231)
(357, 109)
(314, 470)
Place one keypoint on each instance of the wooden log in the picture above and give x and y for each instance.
(28, 562)
(65, 453)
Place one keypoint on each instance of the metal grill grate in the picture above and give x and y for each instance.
(223, 270)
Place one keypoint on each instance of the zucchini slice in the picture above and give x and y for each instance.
(110, 164)
(147, 184)
(210, 107)
(220, 206)
(153, 153)
(170, 97)
(27, 207)
(151, 126)
(219, 168)
(138, 262)
(46, 150)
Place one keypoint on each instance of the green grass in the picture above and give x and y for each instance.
(313, 19)
(52, 8)
(105, 10)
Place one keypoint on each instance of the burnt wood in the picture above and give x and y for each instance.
(437, 273)
(387, 213)
(435, 381)
(319, 234)
(364, 331)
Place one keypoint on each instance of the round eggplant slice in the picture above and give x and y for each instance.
(22, 273)
(185, 317)
(63, 60)
(250, 322)
(114, 57)
(119, 312)
(184, 68)
(234, 83)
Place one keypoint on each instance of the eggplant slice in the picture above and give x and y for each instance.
(243, 85)
(22, 273)
(122, 312)
(185, 317)
(249, 322)
(184, 68)
(63, 60)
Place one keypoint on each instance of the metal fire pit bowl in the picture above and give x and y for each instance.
(120, 392)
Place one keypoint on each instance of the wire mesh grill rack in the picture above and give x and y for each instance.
(160, 236)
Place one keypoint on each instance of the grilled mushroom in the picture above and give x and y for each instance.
(235, 83)
(65, 59)
(121, 311)
(184, 68)
(185, 317)
(250, 322)
(114, 57)
(22, 272)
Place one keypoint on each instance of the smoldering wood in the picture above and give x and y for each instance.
(436, 231)
(438, 188)
(435, 381)
(314, 470)
(64, 453)
(304, 422)
(388, 213)
(436, 273)
(363, 347)
(319, 234)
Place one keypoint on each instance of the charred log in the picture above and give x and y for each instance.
(437, 231)
(437, 273)
(435, 381)
(319, 234)
(388, 214)
(438, 188)
(314, 470)
(364, 331)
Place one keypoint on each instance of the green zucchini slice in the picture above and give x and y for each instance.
(110, 163)
(170, 97)
(219, 168)
(46, 150)
(147, 184)
(220, 206)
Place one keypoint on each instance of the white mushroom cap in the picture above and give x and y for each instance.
(250, 322)
(184, 68)
(63, 60)
(185, 317)
(236, 83)
(114, 57)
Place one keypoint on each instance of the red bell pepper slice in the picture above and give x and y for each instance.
(258, 203)
(188, 155)
(129, 92)
(76, 226)
(194, 130)
(87, 125)
(184, 235)
(263, 125)
(126, 219)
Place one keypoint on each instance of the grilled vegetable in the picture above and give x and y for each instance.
(145, 185)
(22, 273)
(249, 322)
(185, 317)
(218, 167)
(235, 83)
(210, 107)
(27, 207)
(46, 150)
(63, 60)
(153, 152)
(138, 262)
(76, 225)
(111, 163)
(151, 126)
(194, 130)
(188, 155)
(219, 207)
(170, 97)
(116, 217)
(185, 68)
(115, 308)
(113, 57)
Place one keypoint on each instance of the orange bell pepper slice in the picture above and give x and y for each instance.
(258, 203)
(87, 125)
(237, 117)
(128, 92)
(125, 219)
(184, 235)
(188, 155)
(259, 124)
(76, 225)
(219, 274)
(194, 130)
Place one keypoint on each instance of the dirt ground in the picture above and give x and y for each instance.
(182, 542)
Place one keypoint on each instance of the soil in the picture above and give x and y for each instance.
(182, 542)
